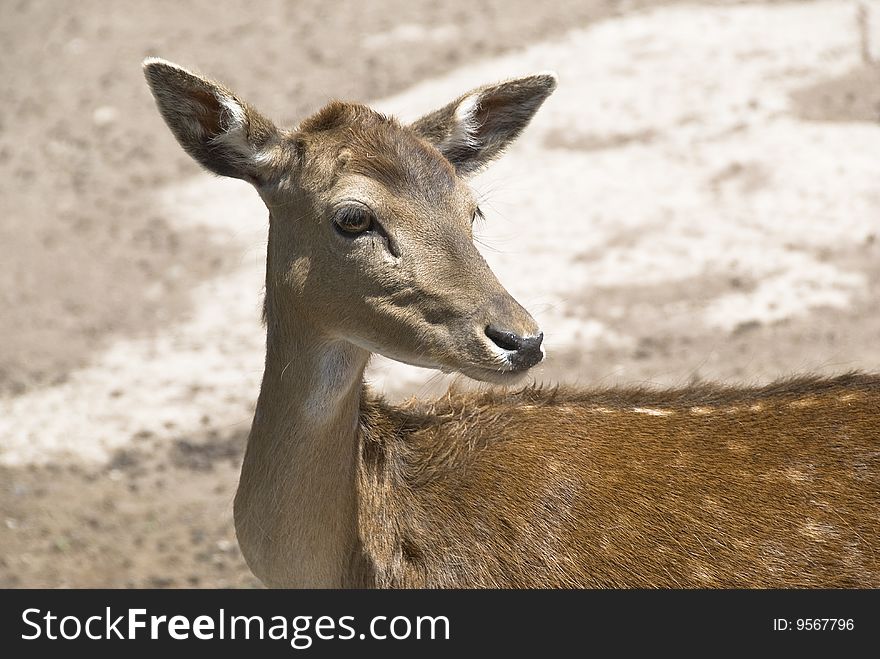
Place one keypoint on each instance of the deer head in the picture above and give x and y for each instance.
(370, 236)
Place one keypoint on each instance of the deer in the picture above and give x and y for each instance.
(370, 251)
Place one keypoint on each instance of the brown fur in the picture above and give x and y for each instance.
(776, 486)
(378, 147)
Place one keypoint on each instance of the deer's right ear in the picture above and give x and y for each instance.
(223, 134)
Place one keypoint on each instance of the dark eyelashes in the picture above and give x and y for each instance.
(352, 221)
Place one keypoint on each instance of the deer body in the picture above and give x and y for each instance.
(370, 251)
(694, 488)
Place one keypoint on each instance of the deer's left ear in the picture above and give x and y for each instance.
(477, 127)
(221, 132)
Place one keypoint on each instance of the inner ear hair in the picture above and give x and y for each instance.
(477, 127)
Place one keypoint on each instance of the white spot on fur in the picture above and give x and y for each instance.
(702, 575)
(737, 446)
(818, 532)
(701, 411)
(651, 411)
(795, 475)
(603, 410)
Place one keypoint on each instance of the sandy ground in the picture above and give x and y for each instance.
(699, 200)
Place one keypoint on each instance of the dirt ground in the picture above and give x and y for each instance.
(89, 255)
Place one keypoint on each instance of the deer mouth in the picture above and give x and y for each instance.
(495, 375)
(506, 367)
(500, 357)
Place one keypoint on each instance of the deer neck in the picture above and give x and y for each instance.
(295, 510)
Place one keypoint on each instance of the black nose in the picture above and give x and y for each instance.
(526, 349)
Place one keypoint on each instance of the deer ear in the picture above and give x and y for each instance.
(476, 128)
(223, 134)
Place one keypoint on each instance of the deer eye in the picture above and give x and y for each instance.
(352, 220)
